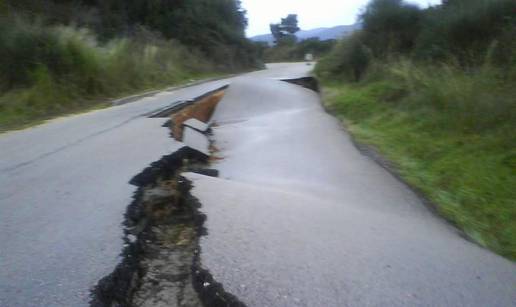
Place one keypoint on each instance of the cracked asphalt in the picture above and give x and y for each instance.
(299, 217)
(64, 189)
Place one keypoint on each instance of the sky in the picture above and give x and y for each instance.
(311, 13)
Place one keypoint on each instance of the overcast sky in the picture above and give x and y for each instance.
(311, 13)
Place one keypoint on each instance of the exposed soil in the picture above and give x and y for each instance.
(161, 263)
(202, 110)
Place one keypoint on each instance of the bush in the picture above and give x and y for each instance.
(348, 60)
(390, 26)
(469, 33)
(297, 51)
(465, 29)
(46, 71)
(468, 103)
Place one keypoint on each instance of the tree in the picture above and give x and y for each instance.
(289, 24)
(284, 32)
(390, 26)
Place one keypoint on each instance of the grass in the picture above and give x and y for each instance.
(51, 71)
(450, 134)
(17, 111)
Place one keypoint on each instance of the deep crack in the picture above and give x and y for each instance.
(161, 263)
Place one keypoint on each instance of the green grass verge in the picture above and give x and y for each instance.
(28, 107)
(49, 71)
(467, 171)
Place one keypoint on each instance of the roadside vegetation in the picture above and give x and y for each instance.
(288, 48)
(434, 91)
(58, 57)
(296, 51)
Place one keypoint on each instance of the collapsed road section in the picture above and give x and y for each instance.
(296, 216)
(299, 217)
(161, 264)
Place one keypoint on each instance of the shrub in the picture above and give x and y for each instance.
(297, 51)
(480, 100)
(390, 26)
(470, 33)
(46, 71)
(465, 30)
(348, 60)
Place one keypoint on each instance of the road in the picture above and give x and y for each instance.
(297, 218)
(64, 189)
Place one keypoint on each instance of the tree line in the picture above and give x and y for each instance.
(59, 56)
(216, 27)
(286, 45)
(466, 32)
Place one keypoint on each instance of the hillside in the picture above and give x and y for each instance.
(321, 33)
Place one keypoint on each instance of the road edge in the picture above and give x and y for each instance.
(136, 97)
(373, 154)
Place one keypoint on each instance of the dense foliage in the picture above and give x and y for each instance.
(58, 56)
(284, 32)
(295, 52)
(216, 27)
(464, 32)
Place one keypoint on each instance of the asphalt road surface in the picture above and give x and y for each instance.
(64, 189)
(299, 217)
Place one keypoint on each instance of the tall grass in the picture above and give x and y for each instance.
(450, 134)
(472, 102)
(45, 71)
(434, 91)
(348, 60)
(463, 32)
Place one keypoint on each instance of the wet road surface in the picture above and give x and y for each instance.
(64, 189)
(299, 217)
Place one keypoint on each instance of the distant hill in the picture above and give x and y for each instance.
(321, 33)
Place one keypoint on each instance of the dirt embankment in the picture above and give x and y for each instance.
(202, 110)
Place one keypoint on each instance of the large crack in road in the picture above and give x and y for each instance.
(160, 262)
(274, 219)
(61, 217)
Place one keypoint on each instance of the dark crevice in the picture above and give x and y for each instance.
(310, 83)
(211, 292)
(117, 288)
(171, 109)
(181, 104)
(161, 261)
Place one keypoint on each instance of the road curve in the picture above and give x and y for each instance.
(64, 189)
(299, 217)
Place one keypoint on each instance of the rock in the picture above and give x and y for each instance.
(196, 124)
(196, 140)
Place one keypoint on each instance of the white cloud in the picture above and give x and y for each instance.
(311, 14)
